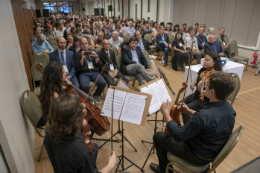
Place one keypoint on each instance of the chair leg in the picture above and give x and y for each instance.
(41, 152)
(133, 84)
(246, 65)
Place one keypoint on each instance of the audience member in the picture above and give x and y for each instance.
(176, 28)
(100, 38)
(36, 31)
(69, 40)
(67, 25)
(111, 71)
(155, 26)
(147, 29)
(118, 28)
(126, 37)
(201, 40)
(99, 28)
(130, 29)
(65, 33)
(196, 28)
(91, 44)
(73, 30)
(106, 36)
(60, 32)
(76, 46)
(223, 39)
(123, 27)
(163, 44)
(168, 31)
(93, 30)
(211, 31)
(86, 30)
(49, 33)
(203, 26)
(180, 53)
(151, 25)
(86, 66)
(192, 44)
(133, 61)
(213, 45)
(142, 43)
(41, 45)
(184, 30)
(65, 57)
(110, 29)
(79, 31)
(115, 40)
(156, 32)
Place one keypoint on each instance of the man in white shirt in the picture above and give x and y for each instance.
(192, 44)
(130, 29)
(59, 33)
(123, 27)
(115, 40)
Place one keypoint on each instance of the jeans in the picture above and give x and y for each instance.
(85, 78)
(166, 51)
(74, 81)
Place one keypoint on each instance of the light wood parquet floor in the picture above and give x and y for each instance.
(247, 106)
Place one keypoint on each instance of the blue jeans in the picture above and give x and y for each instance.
(166, 51)
(74, 81)
(85, 78)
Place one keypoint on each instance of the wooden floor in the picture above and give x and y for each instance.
(248, 115)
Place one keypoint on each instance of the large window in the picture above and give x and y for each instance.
(59, 7)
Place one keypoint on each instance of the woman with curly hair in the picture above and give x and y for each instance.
(64, 141)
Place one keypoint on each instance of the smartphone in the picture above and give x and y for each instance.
(87, 53)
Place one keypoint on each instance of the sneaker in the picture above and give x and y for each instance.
(97, 99)
(155, 167)
(91, 99)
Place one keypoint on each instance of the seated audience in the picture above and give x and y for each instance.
(211, 31)
(151, 25)
(142, 43)
(49, 33)
(93, 30)
(115, 40)
(203, 26)
(123, 27)
(156, 32)
(163, 44)
(60, 32)
(205, 131)
(41, 45)
(67, 25)
(65, 33)
(147, 29)
(73, 30)
(118, 28)
(76, 46)
(155, 27)
(201, 40)
(133, 61)
(126, 37)
(36, 31)
(79, 31)
(100, 38)
(223, 39)
(180, 53)
(91, 44)
(87, 69)
(106, 36)
(184, 30)
(69, 40)
(99, 28)
(130, 29)
(64, 141)
(110, 29)
(168, 31)
(196, 28)
(176, 29)
(192, 45)
(213, 45)
(86, 30)
(108, 56)
(65, 57)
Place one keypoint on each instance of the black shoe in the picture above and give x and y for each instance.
(206, 170)
(97, 99)
(155, 167)
(175, 69)
(165, 65)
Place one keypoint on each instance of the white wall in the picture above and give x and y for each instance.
(16, 133)
(152, 13)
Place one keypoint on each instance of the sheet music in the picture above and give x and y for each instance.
(159, 93)
(133, 108)
(122, 85)
(119, 98)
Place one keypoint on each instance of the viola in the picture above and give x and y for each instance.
(204, 78)
(86, 134)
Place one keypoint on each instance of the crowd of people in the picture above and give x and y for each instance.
(76, 61)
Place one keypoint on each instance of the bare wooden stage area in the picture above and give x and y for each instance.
(247, 106)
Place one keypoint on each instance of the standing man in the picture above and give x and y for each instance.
(163, 44)
(86, 65)
(223, 39)
(192, 44)
(130, 29)
(60, 32)
(202, 40)
(108, 56)
(142, 43)
(65, 57)
(133, 61)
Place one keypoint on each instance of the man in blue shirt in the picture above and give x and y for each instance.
(41, 45)
(110, 29)
(130, 29)
(201, 40)
(202, 137)
(86, 30)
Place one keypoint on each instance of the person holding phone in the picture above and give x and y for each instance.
(86, 65)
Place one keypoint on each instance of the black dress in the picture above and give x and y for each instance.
(179, 58)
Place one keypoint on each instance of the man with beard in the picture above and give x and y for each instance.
(66, 57)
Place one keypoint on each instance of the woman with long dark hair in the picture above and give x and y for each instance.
(176, 29)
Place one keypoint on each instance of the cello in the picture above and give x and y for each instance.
(99, 122)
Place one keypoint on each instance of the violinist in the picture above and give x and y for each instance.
(203, 136)
(212, 62)
(53, 78)
(64, 141)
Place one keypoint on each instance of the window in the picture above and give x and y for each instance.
(59, 7)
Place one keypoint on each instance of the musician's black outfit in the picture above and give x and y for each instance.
(200, 139)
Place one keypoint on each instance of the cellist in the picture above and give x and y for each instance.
(53, 79)
(64, 140)
(197, 99)
(202, 137)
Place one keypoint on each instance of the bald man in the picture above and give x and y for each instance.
(108, 56)
(66, 57)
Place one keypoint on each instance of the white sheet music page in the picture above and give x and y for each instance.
(155, 102)
(162, 92)
(119, 98)
(122, 85)
(133, 108)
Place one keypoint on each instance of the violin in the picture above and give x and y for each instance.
(176, 109)
(204, 76)
(86, 134)
(94, 118)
